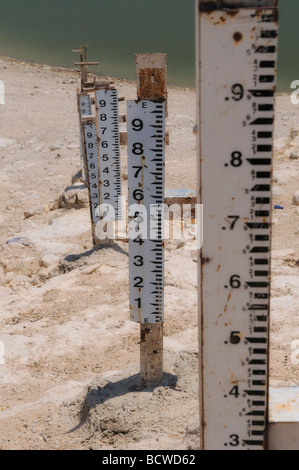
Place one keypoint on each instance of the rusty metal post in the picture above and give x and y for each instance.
(83, 64)
(151, 85)
(151, 354)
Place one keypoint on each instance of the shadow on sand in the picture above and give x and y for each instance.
(74, 258)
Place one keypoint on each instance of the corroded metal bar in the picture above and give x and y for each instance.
(151, 85)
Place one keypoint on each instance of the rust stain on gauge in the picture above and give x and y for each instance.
(232, 12)
(227, 302)
(152, 84)
(237, 37)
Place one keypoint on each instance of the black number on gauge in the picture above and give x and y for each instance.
(235, 392)
(139, 169)
(138, 282)
(235, 337)
(138, 195)
(138, 261)
(138, 148)
(235, 282)
(237, 92)
(137, 125)
(234, 218)
(236, 159)
(235, 440)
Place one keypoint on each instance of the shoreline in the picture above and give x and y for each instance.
(66, 69)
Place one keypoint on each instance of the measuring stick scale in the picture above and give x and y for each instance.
(109, 149)
(84, 109)
(92, 171)
(237, 54)
(146, 172)
(85, 105)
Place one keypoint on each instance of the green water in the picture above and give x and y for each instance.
(46, 31)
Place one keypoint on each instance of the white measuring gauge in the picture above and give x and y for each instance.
(84, 105)
(146, 168)
(91, 145)
(109, 149)
(238, 53)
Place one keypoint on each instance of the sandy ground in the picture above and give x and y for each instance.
(70, 373)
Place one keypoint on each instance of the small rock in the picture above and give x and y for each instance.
(68, 198)
(75, 195)
(55, 147)
(49, 260)
(73, 146)
(294, 156)
(83, 198)
(296, 198)
(37, 210)
(89, 270)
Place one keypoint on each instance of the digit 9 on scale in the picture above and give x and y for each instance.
(236, 60)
